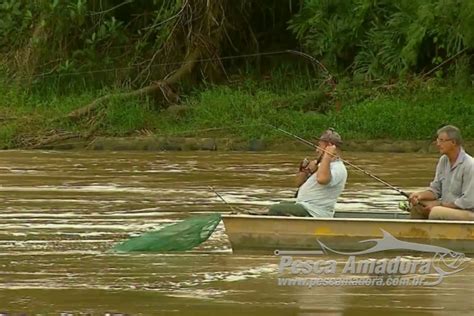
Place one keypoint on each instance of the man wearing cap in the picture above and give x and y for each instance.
(320, 181)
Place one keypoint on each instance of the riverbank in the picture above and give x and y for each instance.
(403, 119)
(152, 143)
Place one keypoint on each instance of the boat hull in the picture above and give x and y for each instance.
(266, 234)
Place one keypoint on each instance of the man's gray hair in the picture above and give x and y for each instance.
(453, 133)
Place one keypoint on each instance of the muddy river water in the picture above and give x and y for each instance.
(62, 211)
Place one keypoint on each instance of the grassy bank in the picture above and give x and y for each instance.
(239, 110)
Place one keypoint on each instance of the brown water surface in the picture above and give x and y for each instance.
(62, 211)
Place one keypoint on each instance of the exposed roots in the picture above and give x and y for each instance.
(197, 33)
(162, 86)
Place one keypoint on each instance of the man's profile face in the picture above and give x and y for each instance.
(444, 143)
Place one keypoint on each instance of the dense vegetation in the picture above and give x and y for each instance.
(373, 69)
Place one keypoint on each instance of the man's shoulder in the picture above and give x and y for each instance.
(469, 161)
(467, 164)
(338, 164)
(338, 169)
(468, 157)
(443, 163)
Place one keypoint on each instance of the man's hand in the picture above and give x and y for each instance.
(306, 169)
(415, 198)
(330, 151)
(312, 166)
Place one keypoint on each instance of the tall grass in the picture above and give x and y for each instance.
(415, 116)
(244, 109)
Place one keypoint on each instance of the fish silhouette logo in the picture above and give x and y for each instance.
(444, 262)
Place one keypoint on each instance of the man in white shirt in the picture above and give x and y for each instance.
(320, 182)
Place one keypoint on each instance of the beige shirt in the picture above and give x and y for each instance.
(455, 184)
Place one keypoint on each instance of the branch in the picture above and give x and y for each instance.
(444, 62)
(162, 85)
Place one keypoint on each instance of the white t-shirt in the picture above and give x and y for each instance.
(319, 199)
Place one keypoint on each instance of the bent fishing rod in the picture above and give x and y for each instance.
(304, 141)
(234, 209)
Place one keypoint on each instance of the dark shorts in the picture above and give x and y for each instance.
(288, 209)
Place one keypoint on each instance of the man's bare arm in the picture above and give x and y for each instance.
(301, 177)
(324, 173)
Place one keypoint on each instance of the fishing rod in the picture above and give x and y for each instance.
(236, 210)
(223, 200)
(304, 141)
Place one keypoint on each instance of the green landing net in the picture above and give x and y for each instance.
(181, 236)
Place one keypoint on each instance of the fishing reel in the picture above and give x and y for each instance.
(304, 164)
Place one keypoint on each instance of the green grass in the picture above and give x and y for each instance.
(409, 117)
(243, 110)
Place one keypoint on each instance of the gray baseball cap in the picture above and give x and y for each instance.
(331, 136)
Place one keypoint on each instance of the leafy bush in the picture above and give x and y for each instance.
(387, 38)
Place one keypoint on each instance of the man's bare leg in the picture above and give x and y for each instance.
(447, 213)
